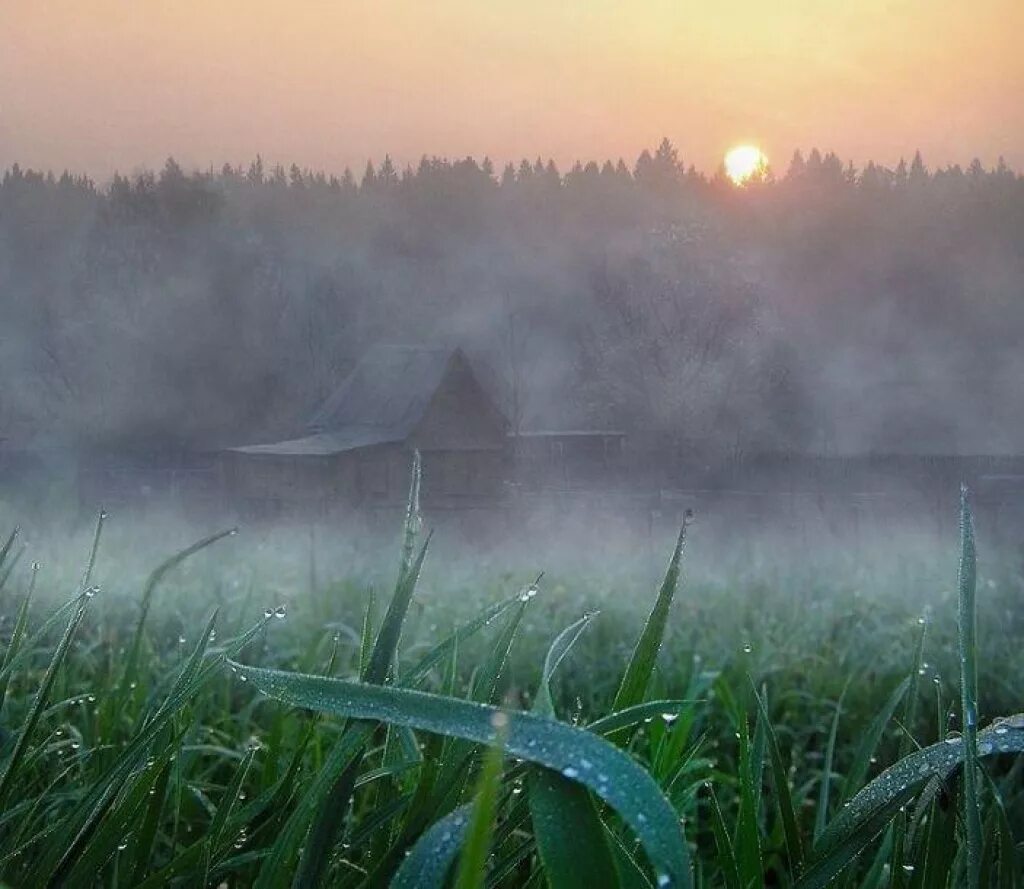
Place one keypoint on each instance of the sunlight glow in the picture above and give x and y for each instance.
(745, 162)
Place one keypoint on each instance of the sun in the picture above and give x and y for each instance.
(745, 162)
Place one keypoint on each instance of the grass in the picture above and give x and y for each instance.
(783, 730)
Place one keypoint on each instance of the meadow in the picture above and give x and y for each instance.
(234, 716)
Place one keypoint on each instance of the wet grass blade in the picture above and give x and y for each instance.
(571, 840)
(858, 772)
(641, 665)
(473, 861)
(869, 811)
(18, 635)
(967, 638)
(821, 815)
(111, 834)
(42, 694)
(726, 853)
(415, 674)
(152, 582)
(605, 770)
(783, 794)
(330, 817)
(431, 858)
(570, 837)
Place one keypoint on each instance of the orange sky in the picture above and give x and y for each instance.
(98, 85)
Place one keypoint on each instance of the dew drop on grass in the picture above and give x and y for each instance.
(664, 880)
(268, 613)
(747, 648)
(908, 868)
(279, 612)
(570, 772)
(528, 593)
(669, 717)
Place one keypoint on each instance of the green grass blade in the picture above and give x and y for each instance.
(783, 794)
(606, 725)
(150, 825)
(415, 674)
(473, 860)
(874, 806)
(564, 641)
(748, 837)
(968, 646)
(641, 665)
(577, 754)
(821, 815)
(571, 840)
(18, 635)
(858, 772)
(726, 853)
(278, 864)
(152, 582)
(431, 858)
(35, 711)
(383, 654)
(111, 834)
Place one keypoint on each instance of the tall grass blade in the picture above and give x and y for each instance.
(571, 839)
(605, 770)
(473, 861)
(430, 860)
(783, 794)
(10, 773)
(641, 665)
(968, 645)
(874, 806)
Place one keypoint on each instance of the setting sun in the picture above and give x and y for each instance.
(745, 162)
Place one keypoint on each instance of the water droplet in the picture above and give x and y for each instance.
(122, 845)
(664, 880)
(268, 613)
(669, 717)
(75, 745)
(1001, 729)
(243, 677)
(570, 772)
(747, 648)
(528, 593)
(279, 612)
(91, 592)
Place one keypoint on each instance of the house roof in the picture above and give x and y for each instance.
(321, 444)
(387, 393)
(381, 401)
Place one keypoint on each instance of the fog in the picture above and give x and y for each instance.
(826, 310)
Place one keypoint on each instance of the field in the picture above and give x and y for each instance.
(236, 717)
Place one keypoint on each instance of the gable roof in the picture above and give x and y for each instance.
(382, 401)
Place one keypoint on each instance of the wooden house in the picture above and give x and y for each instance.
(358, 446)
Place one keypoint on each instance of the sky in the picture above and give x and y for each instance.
(96, 86)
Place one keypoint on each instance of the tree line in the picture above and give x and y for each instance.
(211, 307)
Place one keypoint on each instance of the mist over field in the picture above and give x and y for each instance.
(827, 309)
(418, 473)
